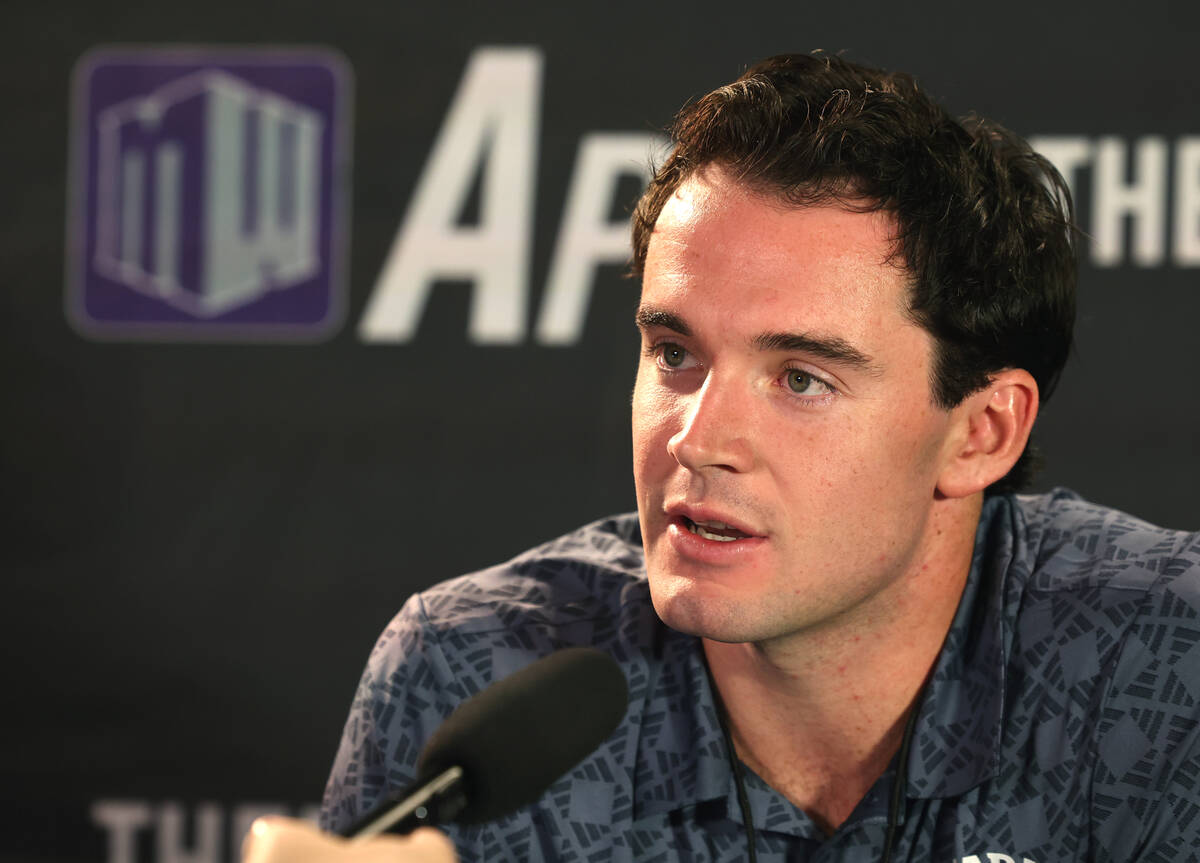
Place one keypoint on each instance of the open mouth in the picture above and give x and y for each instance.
(717, 531)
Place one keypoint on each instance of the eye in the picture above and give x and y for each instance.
(805, 384)
(671, 355)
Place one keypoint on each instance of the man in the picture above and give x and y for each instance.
(844, 639)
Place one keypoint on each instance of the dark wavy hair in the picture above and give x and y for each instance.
(984, 223)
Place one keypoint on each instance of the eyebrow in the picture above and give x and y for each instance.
(651, 316)
(830, 348)
(827, 347)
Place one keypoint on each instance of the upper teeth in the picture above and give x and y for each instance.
(698, 527)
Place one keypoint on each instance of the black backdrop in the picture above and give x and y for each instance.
(205, 534)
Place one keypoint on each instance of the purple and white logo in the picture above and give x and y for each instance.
(208, 193)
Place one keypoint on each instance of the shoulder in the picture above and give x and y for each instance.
(584, 588)
(1115, 603)
(451, 641)
(1067, 543)
(584, 572)
(1108, 589)
(587, 575)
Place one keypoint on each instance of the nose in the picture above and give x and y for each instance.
(717, 420)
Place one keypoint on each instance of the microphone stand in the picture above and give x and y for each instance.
(436, 801)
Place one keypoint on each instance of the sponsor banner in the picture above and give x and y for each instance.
(209, 190)
(229, 462)
(171, 832)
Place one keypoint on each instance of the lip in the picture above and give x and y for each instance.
(695, 547)
(678, 511)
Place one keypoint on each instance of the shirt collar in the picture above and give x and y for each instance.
(681, 756)
(682, 759)
(956, 744)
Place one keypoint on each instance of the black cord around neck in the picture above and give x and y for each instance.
(735, 765)
(898, 783)
(901, 778)
(743, 799)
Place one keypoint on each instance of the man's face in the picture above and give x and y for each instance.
(786, 446)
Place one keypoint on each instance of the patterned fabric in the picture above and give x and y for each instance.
(1061, 723)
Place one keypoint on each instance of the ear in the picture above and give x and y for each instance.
(992, 428)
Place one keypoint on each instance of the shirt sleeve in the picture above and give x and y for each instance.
(1146, 791)
(404, 694)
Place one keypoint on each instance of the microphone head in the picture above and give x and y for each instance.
(519, 735)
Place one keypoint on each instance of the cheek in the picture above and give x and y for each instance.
(650, 427)
(921, 438)
(901, 460)
(653, 409)
(861, 459)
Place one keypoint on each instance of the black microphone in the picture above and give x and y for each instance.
(500, 749)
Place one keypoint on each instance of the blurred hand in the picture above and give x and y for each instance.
(275, 839)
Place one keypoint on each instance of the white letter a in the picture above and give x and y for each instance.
(494, 116)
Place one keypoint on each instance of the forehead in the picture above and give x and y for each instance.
(720, 242)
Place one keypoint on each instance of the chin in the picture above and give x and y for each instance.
(682, 606)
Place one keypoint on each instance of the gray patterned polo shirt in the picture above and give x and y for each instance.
(1061, 722)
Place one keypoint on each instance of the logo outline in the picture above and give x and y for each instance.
(178, 63)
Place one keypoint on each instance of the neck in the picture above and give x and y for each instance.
(819, 714)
